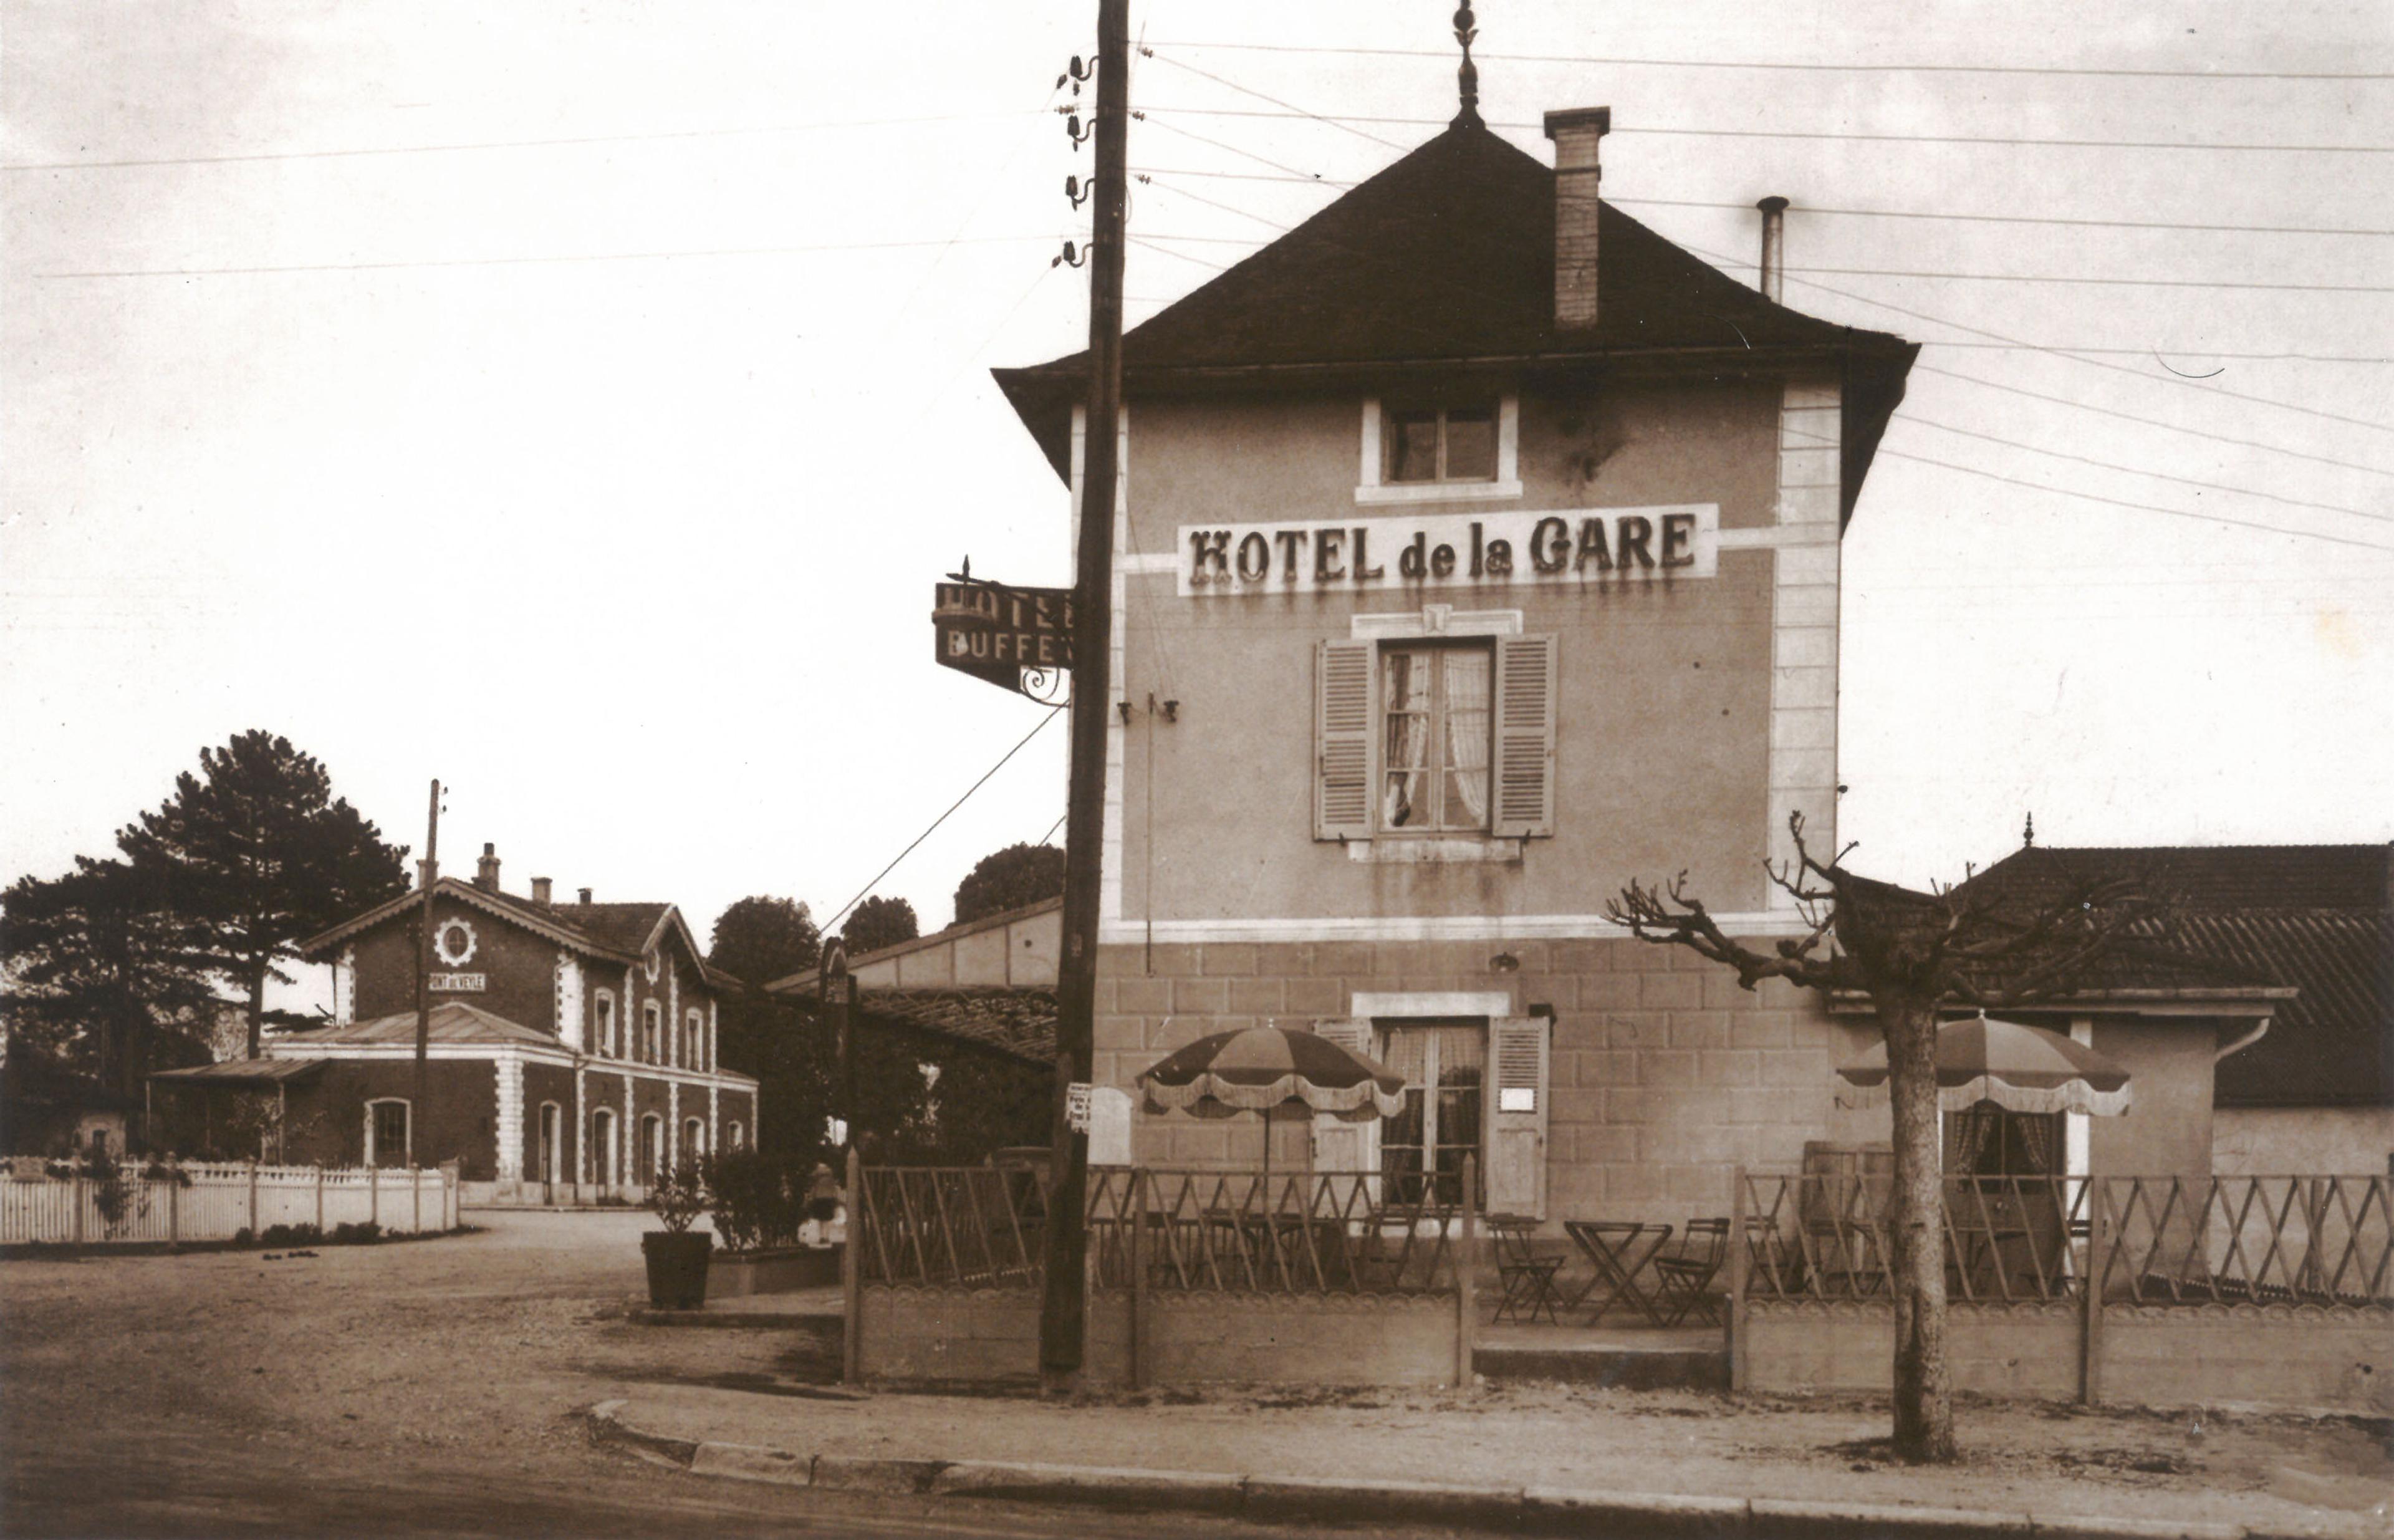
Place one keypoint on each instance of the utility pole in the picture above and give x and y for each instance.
(429, 875)
(836, 996)
(1063, 1304)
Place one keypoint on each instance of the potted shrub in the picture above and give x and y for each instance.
(676, 1258)
(761, 1204)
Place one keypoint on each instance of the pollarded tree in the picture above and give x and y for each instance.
(254, 854)
(879, 922)
(102, 979)
(1010, 878)
(1910, 954)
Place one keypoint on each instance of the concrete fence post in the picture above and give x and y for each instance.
(174, 1204)
(415, 1191)
(1467, 1268)
(252, 1195)
(1739, 1256)
(852, 1336)
(2090, 1330)
(320, 1197)
(1139, 1301)
(74, 1196)
(374, 1194)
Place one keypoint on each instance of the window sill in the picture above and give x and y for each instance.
(1440, 492)
(1433, 850)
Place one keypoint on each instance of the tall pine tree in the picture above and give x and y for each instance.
(254, 854)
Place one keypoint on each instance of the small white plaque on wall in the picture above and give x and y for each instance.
(1109, 1127)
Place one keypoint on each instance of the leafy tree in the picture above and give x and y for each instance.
(254, 854)
(102, 980)
(1010, 878)
(1910, 954)
(760, 939)
(879, 922)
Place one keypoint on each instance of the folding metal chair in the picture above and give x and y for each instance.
(1683, 1281)
(1528, 1279)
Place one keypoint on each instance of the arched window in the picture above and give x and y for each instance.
(696, 1056)
(388, 1134)
(605, 1031)
(603, 1154)
(693, 1140)
(652, 1032)
(734, 1136)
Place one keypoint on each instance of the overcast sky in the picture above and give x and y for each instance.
(578, 403)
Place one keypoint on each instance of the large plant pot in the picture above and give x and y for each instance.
(677, 1268)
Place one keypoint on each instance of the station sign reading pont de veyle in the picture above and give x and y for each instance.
(1430, 552)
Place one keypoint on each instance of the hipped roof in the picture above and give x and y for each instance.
(1444, 261)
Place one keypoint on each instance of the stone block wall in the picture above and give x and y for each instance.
(2029, 1350)
(1664, 1073)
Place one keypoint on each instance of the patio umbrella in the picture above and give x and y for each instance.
(1281, 1074)
(2018, 1067)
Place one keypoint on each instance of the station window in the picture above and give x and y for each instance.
(605, 1031)
(652, 1032)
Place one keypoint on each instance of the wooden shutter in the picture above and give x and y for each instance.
(1345, 1147)
(1341, 741)
(1517, 1095)
(1525, 736)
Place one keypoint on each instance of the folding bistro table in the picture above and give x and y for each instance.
(1620, 1250)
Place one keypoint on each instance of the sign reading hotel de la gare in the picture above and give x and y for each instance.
(1428, 552)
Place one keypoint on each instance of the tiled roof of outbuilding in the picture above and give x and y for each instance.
(1448, 257)
(2317, 917)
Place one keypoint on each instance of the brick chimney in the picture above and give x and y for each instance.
(540, 891)
(584, 899)
(1577, 134)
(486, 871)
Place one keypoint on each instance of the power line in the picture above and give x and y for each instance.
(359, 151)
(2117, 502)
(537, 260)
(2066, 278)
(1762, 64)
(1249, 91)
(1049, 716)
(1210, 203)
(2132, 470)
(2078, 356)
(2007, 141)
(1255, 176)
(1990, 219)
(2151, 422)
(1149, 245)
(1259, 160)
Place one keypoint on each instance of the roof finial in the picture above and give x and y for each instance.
(1467, 78)
(2028, 832)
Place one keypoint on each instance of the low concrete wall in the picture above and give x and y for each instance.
(1847, 1345)
(2286, 1355)
(2292, 1356)
(1205, 1338)
(991, 1336)
(784, 1270)
(979, 1336)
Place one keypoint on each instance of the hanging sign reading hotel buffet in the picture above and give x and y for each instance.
(1430, 552)
(1003, 634)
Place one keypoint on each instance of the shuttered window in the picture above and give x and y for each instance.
(1416, 736)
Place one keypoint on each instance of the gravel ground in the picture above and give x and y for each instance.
(475, 1352)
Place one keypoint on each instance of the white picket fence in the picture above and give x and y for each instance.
(214, 1201)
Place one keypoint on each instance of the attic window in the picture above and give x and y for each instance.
(1441, 443)
(1463, 448)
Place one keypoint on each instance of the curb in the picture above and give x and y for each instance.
(1536, 1510)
